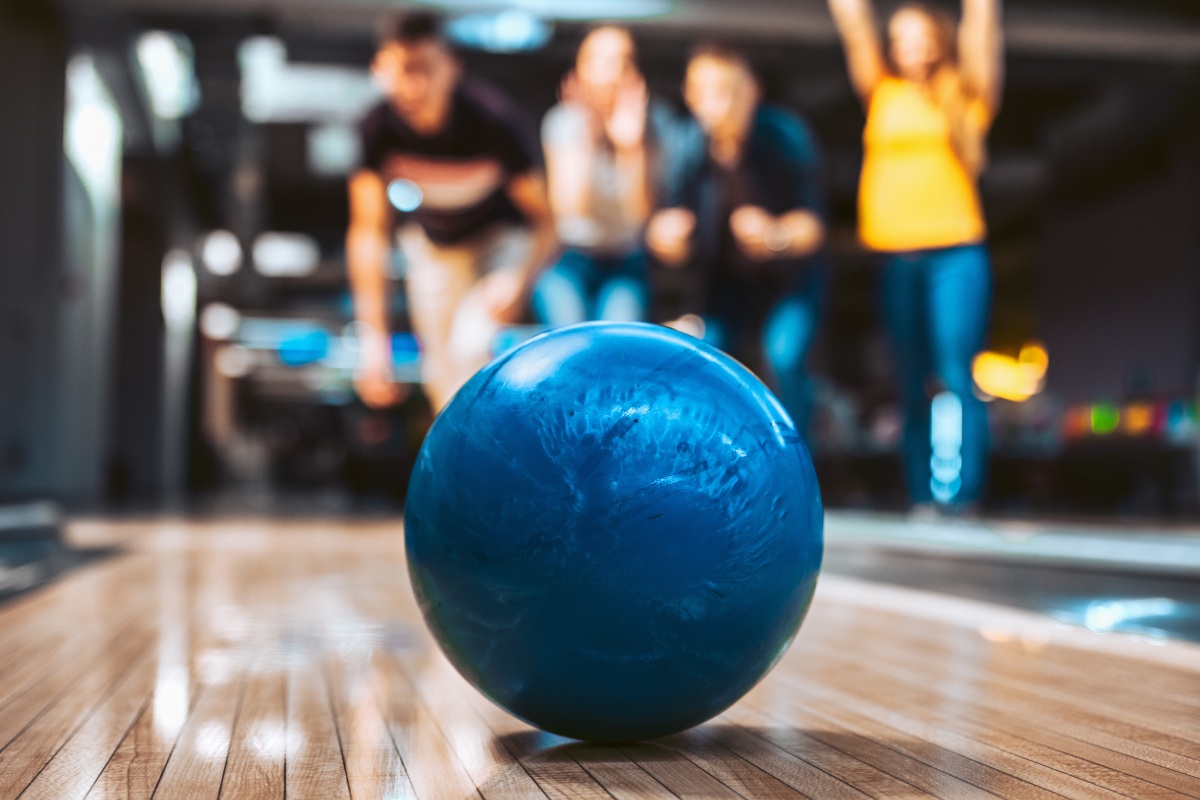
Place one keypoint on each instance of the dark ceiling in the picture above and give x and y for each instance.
(1141, 29)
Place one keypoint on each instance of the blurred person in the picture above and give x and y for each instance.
(744, 215)
(930, 99)
(481, 231)
(598, 167)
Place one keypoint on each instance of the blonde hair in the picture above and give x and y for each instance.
(947, 88)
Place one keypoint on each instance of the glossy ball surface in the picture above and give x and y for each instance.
(613, 531)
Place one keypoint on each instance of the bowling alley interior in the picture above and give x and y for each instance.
(493, 399)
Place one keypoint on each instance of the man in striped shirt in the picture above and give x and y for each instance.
(475, 226)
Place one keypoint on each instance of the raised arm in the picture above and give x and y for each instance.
(568, 145)
(367, 251)
(626, 129)
(981, 51)
(855, 22)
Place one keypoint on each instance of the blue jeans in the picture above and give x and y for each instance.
(582, 287)
(786, 336)
(936, 307)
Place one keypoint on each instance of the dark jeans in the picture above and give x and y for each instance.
(583, 287)
(936, 306)
(785, 335)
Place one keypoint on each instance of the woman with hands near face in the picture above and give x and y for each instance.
(599, 148)
(480, 233)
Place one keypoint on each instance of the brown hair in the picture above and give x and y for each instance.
(946, 86)
(412, 27)
(723, 51)
(608, 26)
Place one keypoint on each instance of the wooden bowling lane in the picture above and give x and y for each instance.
(255, 659)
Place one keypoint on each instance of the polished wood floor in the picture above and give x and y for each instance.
(255, 659)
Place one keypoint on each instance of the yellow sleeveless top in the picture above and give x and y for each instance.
(914, 193)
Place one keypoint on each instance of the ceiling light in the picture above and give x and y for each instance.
(509, 31)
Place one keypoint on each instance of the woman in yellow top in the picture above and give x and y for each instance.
(930, 98)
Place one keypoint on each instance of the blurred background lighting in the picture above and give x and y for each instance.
(1105, 418)
(219, 321)
(946, 439)
(221, 253)
(178, 289)
(233, 361)
(1008, 378)
(1182, 424)
(1034, 356)
(509, 31)
(304, 349)
(285, 255)
(166, 66)
(333, 149)
(93, 137)
(1138, 419)
(1105, 616)
(274, 90)
(404, 195)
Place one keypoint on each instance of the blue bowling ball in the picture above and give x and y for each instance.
(613, 531)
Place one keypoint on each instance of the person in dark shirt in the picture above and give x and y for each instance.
(478, 231)
(743, 215)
